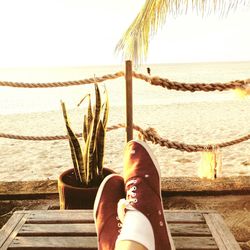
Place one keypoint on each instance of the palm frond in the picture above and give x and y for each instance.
(135, 41)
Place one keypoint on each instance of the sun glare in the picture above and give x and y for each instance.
(74, 33)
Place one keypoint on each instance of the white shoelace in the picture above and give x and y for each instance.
(124, 204)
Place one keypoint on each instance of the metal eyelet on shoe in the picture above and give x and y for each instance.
(134, 188)
(117, 218)
(135, 200)
(133, 194)
(119, 225)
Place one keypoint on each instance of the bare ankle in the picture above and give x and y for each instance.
(129, 245)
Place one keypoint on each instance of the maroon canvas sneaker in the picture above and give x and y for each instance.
(143, 188)
(107, 223)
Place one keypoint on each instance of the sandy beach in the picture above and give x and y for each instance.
(192, 123)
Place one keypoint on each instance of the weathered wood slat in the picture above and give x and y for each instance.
(89, 230)
(58, 230)
(66, 243)
(87, 217)
(189, 230)
(9, 227)
(71, 217)
(187, 217)
(75, 211)
(197, 243)
(14, 231)
(222, 235)
(230, 184)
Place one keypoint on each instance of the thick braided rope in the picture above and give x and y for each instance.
(149, 134)
(157, 81)
(165, 83)
(50, 138)
(62, 84)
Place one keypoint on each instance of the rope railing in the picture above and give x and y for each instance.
(155, 80)
(149, 134)
(62, 84)
(166, 83)
(50, 138)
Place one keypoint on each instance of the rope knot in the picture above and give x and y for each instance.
(149, 134)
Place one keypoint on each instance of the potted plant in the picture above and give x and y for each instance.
(78, 186)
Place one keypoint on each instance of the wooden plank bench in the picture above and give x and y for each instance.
(74, 229)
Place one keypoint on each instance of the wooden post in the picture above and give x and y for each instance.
(129, 101)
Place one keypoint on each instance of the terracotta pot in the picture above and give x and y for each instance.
(72, 196)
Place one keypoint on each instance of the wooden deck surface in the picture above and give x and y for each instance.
(74, 229)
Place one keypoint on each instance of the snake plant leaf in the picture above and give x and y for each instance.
(76, 151)
(106, 110)
(90, 114)
(77, 154)
(85, 128)
(100, 146)
(95, 122)
(75, 162)
(88, 95)
(65, 115)
(95, 169)
(86, 158)
(97, 106)
(73, 155)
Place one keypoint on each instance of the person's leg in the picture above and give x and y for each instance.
(107, 223)
(143, 219)
(129, 245)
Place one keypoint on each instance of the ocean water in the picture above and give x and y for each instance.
(18, 100)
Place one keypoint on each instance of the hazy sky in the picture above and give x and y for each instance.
(85, 32)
